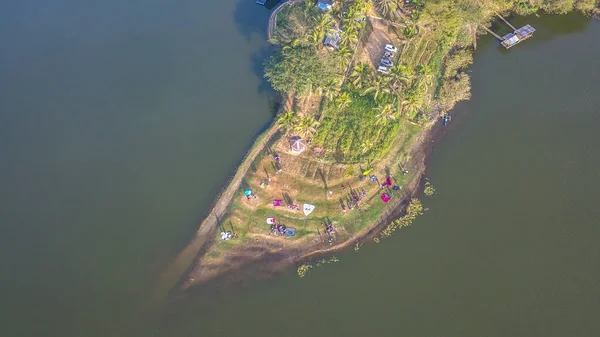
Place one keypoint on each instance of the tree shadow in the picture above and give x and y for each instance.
(320, 173)
(251, 20)
(288, 199)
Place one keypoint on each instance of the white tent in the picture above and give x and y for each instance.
(308, 208)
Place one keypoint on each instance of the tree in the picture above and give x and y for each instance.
(400, 75)
(361, 74)
(378, 86)
(299, 69)
(331, 89)
(306, 127)
(425, 74)
(387, 8)
(287, 121)
(321, 28)
(349, 37)
(385, 114)
(343, 56)
(343, 100)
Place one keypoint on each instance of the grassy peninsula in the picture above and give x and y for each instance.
(360, 126)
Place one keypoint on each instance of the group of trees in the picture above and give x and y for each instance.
(301, 65)
(301, 70)
(288, 122)
(403, 87)
(525, 7)
(424, 83)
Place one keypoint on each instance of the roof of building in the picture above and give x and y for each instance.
(332, 38)
(525, 30)
(297, 144)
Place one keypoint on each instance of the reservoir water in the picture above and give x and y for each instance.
(119, 122)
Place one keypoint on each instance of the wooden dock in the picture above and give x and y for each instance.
(511, 39)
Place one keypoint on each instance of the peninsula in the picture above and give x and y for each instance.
(365, 86)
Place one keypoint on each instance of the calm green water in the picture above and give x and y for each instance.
(120, 121)
(510, 244)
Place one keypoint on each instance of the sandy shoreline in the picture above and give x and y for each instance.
(264, 260)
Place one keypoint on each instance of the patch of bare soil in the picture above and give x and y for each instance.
(381, 33)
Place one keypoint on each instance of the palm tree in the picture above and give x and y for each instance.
(361, 74)
(425, 74)
(387, 7)
(287, 121)
(331, 89)
(349, 37)
(400, 75)
(378, 86)
(344, 56)
(306, 127)
(321, 28)
(385, 114)
(343, 100)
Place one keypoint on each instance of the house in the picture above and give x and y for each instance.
(297, 145)
(333, 38)
(325, 4)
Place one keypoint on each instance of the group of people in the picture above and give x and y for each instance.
(278, 229)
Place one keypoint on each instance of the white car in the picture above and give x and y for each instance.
(391, 47)
(387, 63)
(383, 69)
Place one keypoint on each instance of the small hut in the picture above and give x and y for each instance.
(297, 145)
(333, 38)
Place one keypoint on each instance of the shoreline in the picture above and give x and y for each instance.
(274, 262)
(259, 260)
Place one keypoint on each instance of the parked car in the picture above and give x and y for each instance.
(387, 62)
(391, 47)
(388, 54)
(383, 69)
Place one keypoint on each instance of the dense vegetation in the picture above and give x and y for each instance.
(361, 110)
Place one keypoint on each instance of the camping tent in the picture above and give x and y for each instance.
(308, 208)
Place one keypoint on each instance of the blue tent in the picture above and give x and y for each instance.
(290, 231)
(248, 192)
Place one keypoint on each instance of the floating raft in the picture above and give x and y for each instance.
(519, 35)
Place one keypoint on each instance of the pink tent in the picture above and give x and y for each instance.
(277, 202)
(388, 181)
(385, 197)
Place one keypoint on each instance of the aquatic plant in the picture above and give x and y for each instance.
(413, 210)
(304, 269)
(429, 189)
